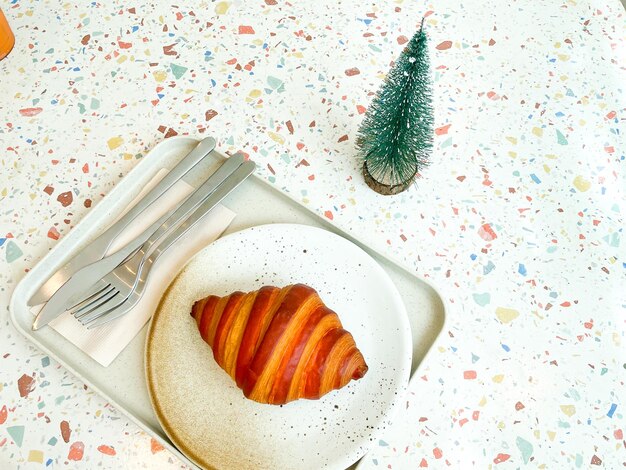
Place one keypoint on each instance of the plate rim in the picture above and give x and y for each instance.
(393, 403)
(178, 443)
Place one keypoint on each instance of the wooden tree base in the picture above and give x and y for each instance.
(385, 189)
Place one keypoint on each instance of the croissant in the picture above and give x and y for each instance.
(279, 345)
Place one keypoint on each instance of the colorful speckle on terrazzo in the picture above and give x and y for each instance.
(518, 221)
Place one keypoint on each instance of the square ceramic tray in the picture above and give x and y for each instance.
(255, 203)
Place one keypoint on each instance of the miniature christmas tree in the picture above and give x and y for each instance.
(395, 138)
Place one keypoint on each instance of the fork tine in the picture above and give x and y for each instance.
(103, 309)
(91, 295)
(84, 306)
(103, 300)
(110, 315)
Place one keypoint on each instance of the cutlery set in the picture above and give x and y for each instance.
(97, 288)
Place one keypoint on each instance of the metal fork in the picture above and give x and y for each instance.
(100, 292)
(121, 290)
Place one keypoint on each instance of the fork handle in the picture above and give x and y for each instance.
(224, 190)
(192, 202)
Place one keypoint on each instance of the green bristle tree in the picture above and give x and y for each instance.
(396, 136)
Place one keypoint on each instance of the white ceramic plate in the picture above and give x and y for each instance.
(206, 415)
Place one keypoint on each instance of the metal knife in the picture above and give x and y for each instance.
(84, 278)
(98, 248)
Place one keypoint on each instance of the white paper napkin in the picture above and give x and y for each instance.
(106, 342)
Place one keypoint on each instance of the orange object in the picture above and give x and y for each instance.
(7, 40)
(278, 344)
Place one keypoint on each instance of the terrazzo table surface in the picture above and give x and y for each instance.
(518, 221)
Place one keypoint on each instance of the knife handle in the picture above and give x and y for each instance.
(201, 150)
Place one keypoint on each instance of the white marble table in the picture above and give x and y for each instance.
(518, 221)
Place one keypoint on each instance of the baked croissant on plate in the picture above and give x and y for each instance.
(279, 345)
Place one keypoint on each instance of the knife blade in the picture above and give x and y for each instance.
(57, 304)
